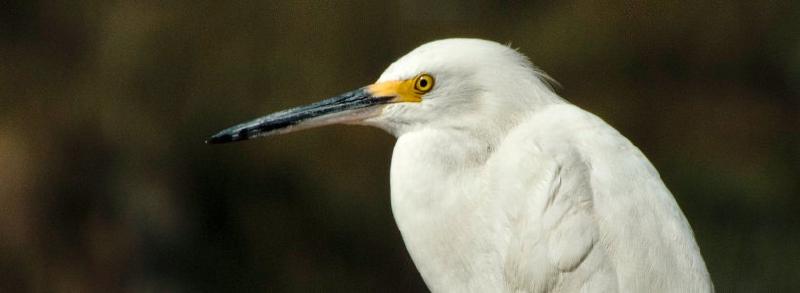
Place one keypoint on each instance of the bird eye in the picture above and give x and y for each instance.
(423, 83)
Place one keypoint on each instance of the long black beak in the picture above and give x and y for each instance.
(348, 107)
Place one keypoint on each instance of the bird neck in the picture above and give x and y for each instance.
(439, 207)
(430, 156)
(440, 197)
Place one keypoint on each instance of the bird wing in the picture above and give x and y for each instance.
(555, 236)
(587, 211)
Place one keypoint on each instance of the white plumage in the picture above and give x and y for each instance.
(499, 185)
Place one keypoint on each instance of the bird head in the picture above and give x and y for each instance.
(447, 83)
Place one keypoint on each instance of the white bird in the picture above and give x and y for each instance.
(500, 185)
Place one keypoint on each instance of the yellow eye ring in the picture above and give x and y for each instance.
(423, 83)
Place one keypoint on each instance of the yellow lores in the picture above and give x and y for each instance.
(409, 90)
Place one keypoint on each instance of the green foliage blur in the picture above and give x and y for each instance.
(106, 184)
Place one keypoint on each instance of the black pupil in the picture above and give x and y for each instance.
(423, 83)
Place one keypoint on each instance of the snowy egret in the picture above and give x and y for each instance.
(500, 185)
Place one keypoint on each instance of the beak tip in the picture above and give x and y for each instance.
(220, 138)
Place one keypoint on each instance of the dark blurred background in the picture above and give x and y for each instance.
(106, 185)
